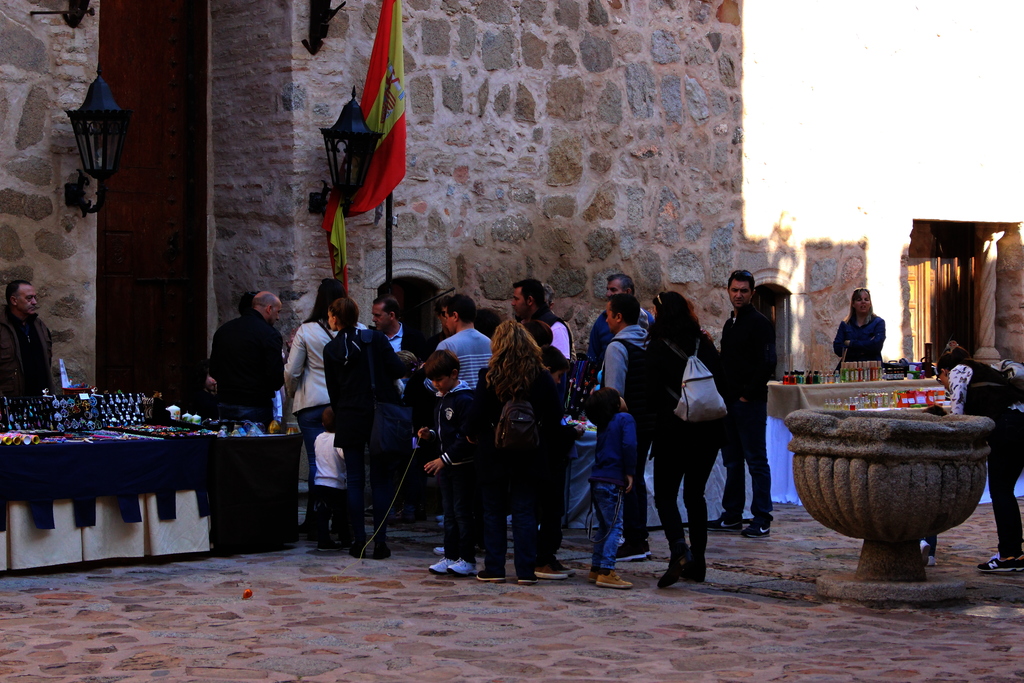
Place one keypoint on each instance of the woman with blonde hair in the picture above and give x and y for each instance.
(861, 336)
(508, 479)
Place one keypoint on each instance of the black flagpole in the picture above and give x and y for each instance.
(389, 217)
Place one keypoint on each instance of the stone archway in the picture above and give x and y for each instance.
(428, 270)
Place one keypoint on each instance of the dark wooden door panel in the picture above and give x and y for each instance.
(151, 242)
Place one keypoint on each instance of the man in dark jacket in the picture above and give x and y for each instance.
(528, 303)
(748, 362)
(25, 344)
(247, 363)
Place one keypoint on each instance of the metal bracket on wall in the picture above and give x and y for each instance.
(77, 9)
(320, 15)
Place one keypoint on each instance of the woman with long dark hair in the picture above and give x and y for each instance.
(304, 380)
(354, 392)
(510, 479)
(683, 452)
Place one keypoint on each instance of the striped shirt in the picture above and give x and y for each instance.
(472, 349)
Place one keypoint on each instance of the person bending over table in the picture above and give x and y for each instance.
(861, 335)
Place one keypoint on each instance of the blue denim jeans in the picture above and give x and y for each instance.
(607, 500)
(236, 413)
(311, 425)
(517, 493)
(745, 427)
(458, 484)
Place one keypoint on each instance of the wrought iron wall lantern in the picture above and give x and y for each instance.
(350, 146)
(100, 127)
(77, 9)
(320, 15)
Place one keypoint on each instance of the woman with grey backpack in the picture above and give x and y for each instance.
(684, 452)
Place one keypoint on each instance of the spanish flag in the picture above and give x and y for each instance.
(384, 100)
(334, 225)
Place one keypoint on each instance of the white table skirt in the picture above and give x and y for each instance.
(780, 459)
(25, 546)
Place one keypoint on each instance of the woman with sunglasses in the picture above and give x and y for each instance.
(861, 336)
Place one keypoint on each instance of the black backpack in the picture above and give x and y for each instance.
(517, 427)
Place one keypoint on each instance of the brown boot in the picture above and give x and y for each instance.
(607, 578)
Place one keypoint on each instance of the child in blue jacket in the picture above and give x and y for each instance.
(610, 480)
(454, 469)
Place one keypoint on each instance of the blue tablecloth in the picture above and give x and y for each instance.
(83, 472)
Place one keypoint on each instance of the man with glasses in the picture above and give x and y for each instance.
(748, 363)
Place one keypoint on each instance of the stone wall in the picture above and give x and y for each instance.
(46, 68)
(563, 140)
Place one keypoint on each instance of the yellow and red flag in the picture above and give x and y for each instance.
(334, 224)
(384, 101)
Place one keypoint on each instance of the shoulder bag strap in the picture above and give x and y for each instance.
(678, 351)
(330, 333)
(367, 340)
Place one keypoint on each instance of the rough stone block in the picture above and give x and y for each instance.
(714, 40)
(532, 11)
(700, 11)
(696, 100)
(524, 195)
(567, 13)
(721, 253)
(635, 206)
(12, 202)
(664, 49)
(685, 266)
(482, 95)
(33, 117)
(534, 50)
(467, 36)
(600, 162)
(561, 55)
(19, 48)
(698, 54)
(32, 170)
(693, 231)
(38, 207)
(495, 11)
(498, 49)
(451, 93)
(513, 229)
(502, 100)
(596, 53)
(640, 90)
(647, 272)
(719, 102)
(600, 243)
(19, 272)
(565, 158)
(602, 206)
(293, 97)
(10, 244)
(596, 13)
(671, 98)
(565, 98)
(568, 282)
(435, 37)
(495, 282)
(727, 70)
(666, 228)
(421, 94)
(823, 274)
(609, 105)
(525, 107)
(70, 307)
(562, 205)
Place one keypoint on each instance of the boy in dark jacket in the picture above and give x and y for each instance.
(454, 468)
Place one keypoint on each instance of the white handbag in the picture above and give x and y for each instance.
(699, 400)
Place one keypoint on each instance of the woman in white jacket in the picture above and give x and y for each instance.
(304, 378)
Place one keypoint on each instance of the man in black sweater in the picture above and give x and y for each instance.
(748, 362)
(247, 363)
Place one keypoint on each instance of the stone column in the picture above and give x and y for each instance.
(985, 298)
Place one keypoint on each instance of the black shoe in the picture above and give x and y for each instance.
(695, 571)
(357, 549)
(528, 580)
(756, 531)
(631, 552)
(721, 525)
(381, 551)
(328, 545)
(1011, 564)
(558, 566)
(490, 577)
(681, 559)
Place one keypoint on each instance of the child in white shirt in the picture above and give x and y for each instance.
(330, 488)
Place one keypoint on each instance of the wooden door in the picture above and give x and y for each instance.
(151, 241)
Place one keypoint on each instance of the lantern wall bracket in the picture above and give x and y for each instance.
(320, 15)
(318, 200)
(74, 195)
(77, 9)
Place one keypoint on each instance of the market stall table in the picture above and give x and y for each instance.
(72, 502)
(784, 399)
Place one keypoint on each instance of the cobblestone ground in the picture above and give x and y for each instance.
(318, 617)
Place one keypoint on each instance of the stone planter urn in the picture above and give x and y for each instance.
(891, 478)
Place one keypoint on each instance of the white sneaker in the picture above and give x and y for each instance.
(441, 566)
(439, 550)
(462, 568)
(931, 561)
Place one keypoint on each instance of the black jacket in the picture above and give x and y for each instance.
(347, 371)
(451, 423)
(246, 361)
(663, 395)
(493, 464)
(748, 356)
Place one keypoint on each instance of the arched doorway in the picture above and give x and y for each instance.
(416, 299)
(773, 302)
